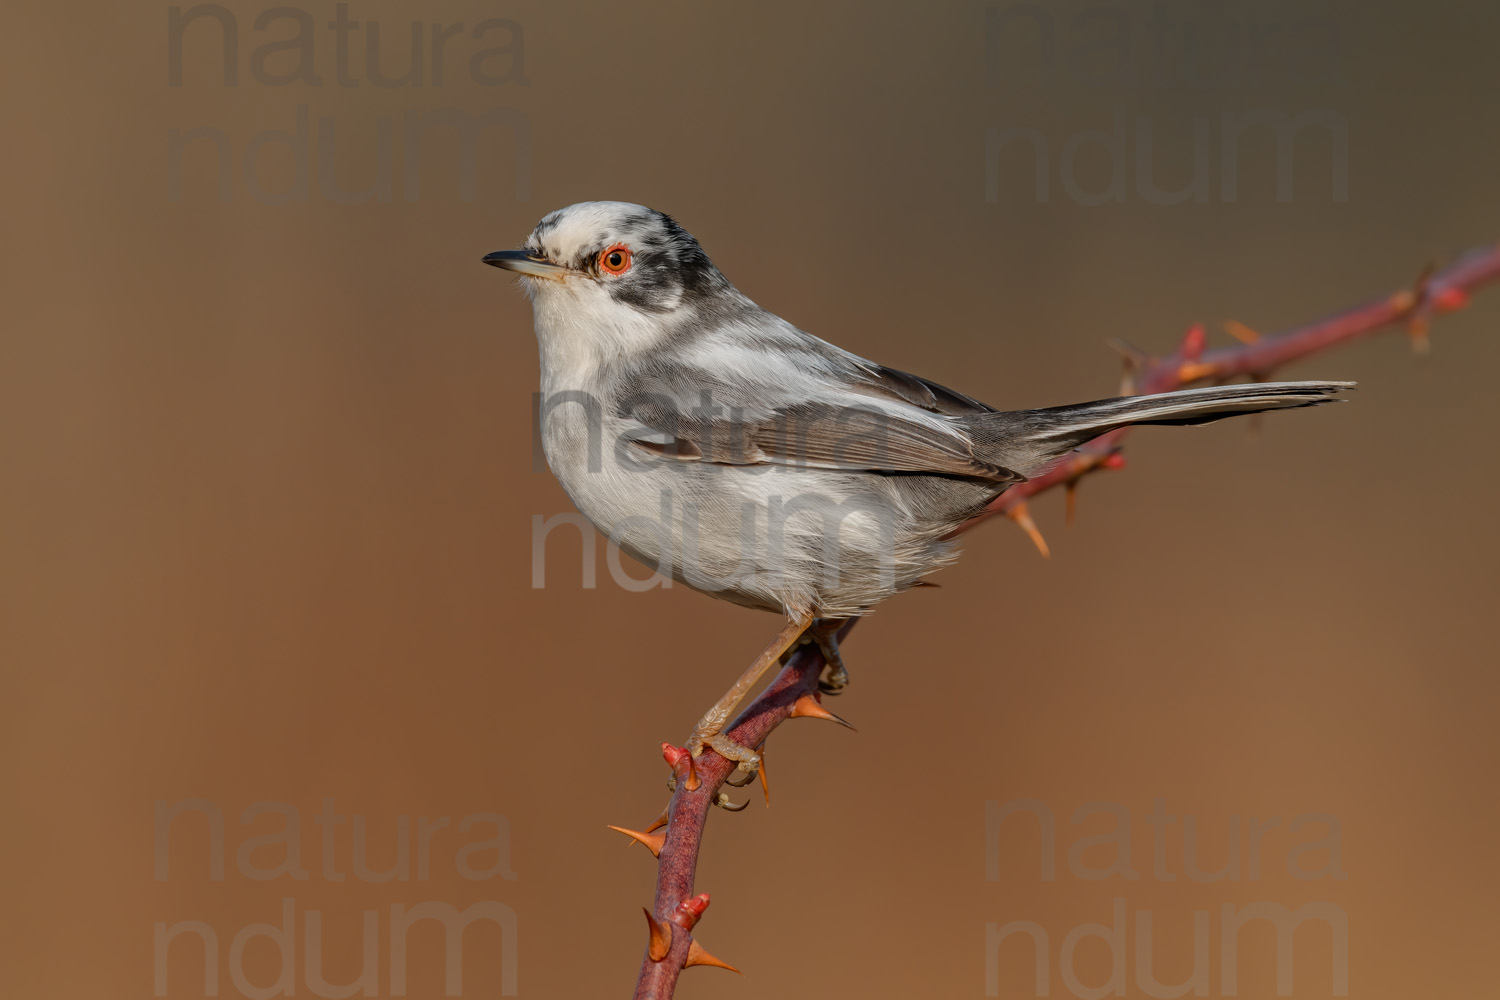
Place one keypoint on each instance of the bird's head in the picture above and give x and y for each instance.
(612, 263)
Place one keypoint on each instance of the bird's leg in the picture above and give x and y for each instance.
(710, 729)
(825, 632)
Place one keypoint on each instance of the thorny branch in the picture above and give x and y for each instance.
(698, 784)
(1435, 293)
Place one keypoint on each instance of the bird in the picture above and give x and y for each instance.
(737, 454)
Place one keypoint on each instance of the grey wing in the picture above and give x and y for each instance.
(886, 421)
(890, 383)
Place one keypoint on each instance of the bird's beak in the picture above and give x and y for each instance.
(522, 263)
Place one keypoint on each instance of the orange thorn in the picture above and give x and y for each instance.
(651, 841)
(1403, 300)
(698, 955)
(1022, 516)
(1240, 331)
(1070, 490)
(760, 772)
(808, 707)
(1192, 371)
(659, 821)
(661, 937)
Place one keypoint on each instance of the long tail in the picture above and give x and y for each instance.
(1027, 441)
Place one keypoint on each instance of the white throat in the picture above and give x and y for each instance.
(581, 332)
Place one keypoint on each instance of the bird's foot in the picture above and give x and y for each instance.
(709, 732)
(746, 759)
(747, 772)
(825, 633)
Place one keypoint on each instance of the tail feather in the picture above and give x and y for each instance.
(1027, 441)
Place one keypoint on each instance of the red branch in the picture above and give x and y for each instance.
(1436, 292)
(699, 783)
(692, 800)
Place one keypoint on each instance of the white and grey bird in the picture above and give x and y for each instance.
(723, 446)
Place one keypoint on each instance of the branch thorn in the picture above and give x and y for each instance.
(808, 707)
(660, 941)
(1022, 516)
(1240, 331)
(698, 955)
(1192, 371)
(659, 821)
(651, 841)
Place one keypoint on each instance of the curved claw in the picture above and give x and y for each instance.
(722, 801)
(745, 779)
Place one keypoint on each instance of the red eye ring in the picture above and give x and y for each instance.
(615, 259)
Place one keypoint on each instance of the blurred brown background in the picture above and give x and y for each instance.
(268, 498)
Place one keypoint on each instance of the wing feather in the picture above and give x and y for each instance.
(892, 422)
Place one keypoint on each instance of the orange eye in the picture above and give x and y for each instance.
(615, 259)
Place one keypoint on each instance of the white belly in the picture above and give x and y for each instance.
(764, 536)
